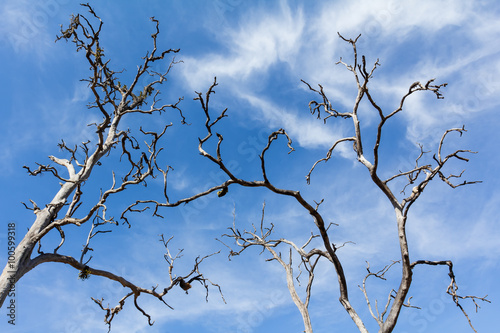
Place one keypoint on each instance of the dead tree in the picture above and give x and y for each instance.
(417, 178)
(114, 101)
(259, 236)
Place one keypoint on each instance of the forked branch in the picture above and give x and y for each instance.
(419, 176)
(260, 237)
(452, 288)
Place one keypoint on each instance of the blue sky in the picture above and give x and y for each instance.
(260, 51)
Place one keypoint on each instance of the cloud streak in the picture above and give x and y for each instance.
(290, 36)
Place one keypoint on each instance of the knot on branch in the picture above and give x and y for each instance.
(84, 273)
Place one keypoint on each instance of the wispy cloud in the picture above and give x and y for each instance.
(462, 234)
(25, 25)
(260, 41)
(288, 36)
(307, 130)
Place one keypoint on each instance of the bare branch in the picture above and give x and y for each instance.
(134, 289)
(315, 107)
(309, 260)
(379, 317)
(328, 155)
(431, 172)
(453, 287)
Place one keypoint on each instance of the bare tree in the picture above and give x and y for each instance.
(417, 178)
(114, 101)
(309, 259)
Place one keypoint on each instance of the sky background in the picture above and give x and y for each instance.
(259, 51)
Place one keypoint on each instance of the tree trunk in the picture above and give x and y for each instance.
(406, 278)
(20, 263)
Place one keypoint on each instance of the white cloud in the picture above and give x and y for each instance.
(443, 225)
(262, 40)
(25, 25)
(308, 131)
(258, 43)
(309, 45)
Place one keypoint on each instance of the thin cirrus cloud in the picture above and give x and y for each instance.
(259, 43)
(308, 132)
(266, 38)
(251, 49)
(384, 25)
(27, 27)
